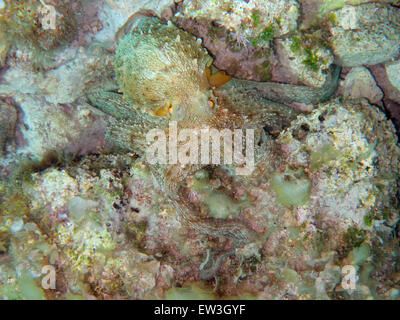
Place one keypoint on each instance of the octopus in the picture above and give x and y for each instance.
(163, 74)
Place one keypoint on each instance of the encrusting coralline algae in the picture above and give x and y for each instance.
(79, 195)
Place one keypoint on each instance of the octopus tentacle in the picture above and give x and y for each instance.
(169, 177)
(283, 92)
(128, 125)
(185, 90)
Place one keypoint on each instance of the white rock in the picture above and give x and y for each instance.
(359, 83)
(234, 14)
(16, 226)
(393, 74)
(367, 34)
(293, 63)
(63, 84)
(115, 13)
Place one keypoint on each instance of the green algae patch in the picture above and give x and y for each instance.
(368, 219)
(192, 291)
(219, 204)
(289, 275)
(330, 5)
(255, 16)
(312, 59)
(355, 237)
(360, 254)
(266, 35)
(323, 155)
(29, 288)
(291, 187)
(71, 296)
(296, 44)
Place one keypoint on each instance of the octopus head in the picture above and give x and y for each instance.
(163, 69)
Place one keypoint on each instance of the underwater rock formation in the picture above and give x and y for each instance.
(303, 178)
(52, 116)
(297, 63)
(393, 75)
(114, 234)
(240, 34)
(115, 14)
(389, 87)
(35, 24)
(359, 83)
(365, 35)
(252, 44)
(82, 197)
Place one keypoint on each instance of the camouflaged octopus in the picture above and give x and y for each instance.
(162, 73)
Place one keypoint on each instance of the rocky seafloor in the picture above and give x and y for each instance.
(83, 82)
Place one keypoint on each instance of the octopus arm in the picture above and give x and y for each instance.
(287, 93)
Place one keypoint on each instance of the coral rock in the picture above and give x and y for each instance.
(367, 34)
(359, 83)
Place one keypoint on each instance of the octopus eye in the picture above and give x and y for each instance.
(163, 110)
(211, 102)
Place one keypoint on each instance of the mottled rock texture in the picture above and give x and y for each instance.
(359, 83)
(80, 196)
(365, 35)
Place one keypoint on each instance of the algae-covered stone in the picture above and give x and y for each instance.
(291, 188)
(79, 208)
(53, 119)
(322, 194)
(193, 291)
(247, 20)
(393, 74)
(315, 11)
(360, 254)
(359, 83)
(240, 34)
(365, 35)
(343, 142)
(308, 65)
(218, 203)
(390, 87)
